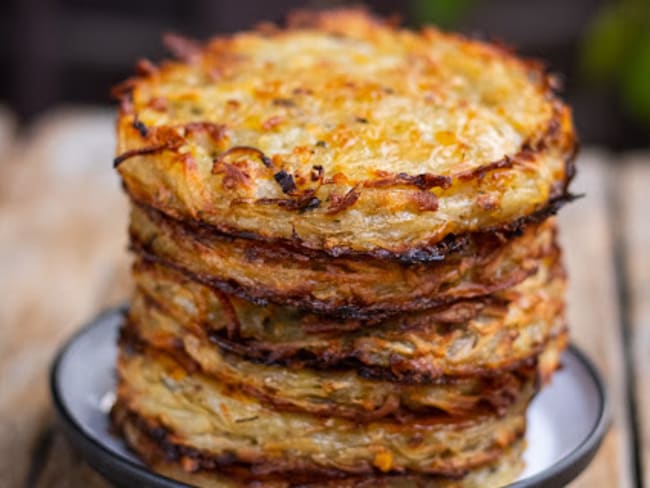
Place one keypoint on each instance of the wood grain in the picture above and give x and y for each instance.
(634, 200)
(65, 468)
(62, 243)
(593, 310)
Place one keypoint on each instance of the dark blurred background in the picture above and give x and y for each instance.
(71, 51)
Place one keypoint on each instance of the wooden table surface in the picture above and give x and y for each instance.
(63, 258)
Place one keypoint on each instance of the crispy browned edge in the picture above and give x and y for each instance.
(439, 251)
(398, 373)
(501, 386)
(162, 443)
(154, 444)
(263, 296)
(187, 50)
(455, 313)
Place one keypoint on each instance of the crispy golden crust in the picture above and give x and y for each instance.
(345, 135)
(347, 392)
(481, 336)
(345, 286)
(230, 428)
(185, 465)
(335, 392)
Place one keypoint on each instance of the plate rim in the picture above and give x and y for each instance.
(575, 462)
(95, 452)
(104, 460)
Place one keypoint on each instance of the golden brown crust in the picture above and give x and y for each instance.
(232, 428)
(481, 336)
(189, 466)
(342, 392)
(345, 286)
(348, 136)
(439, 251)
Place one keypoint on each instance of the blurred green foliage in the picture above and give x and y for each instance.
(443, 13)
(615, 53)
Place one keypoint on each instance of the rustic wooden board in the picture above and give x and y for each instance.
(634, 204)
(593, 309)
(64, 468)
(62, 255)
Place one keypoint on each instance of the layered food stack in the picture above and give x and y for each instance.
(346, 270)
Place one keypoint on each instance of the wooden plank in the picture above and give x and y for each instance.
(634, 202)
(593, 310)
(62, 252)
(63, 467)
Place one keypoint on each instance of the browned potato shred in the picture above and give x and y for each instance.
(342, 286)
(405, 131)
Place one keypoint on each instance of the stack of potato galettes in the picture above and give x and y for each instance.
(346, 273)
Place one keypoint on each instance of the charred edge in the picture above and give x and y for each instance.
(161, 445)
(424, 181)
(445, 315)
(449, 314)
(570, 164)
(405, 374)
(301, 202)
(246, 150)
(131, 344)
(262, 297)
(338, 203)
(232, 288)
(304, 358)
(498, 393)
(140, 127)
(139, 152)
(317, 172)
(518, 226)
(427, 181)
(450, 245)
(285, 180)
(480, 172)
(304, 301)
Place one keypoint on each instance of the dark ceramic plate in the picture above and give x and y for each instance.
(566, 421)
